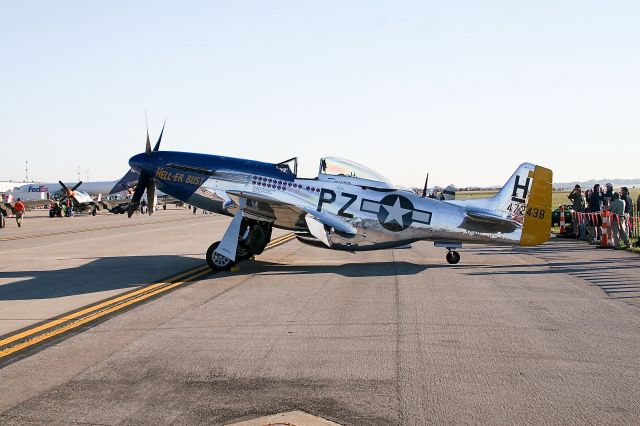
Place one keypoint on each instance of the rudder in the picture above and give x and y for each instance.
(537, 216)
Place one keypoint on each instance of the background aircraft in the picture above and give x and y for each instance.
(346, 207)
(92, 188)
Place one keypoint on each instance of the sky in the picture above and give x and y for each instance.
(463, 90)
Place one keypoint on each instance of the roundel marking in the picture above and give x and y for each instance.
(395, 212)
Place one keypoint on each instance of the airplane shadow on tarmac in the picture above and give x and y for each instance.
(101, 274)
(351, 270)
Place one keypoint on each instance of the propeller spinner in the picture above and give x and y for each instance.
(69, 193)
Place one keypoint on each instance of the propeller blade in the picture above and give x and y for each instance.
(64, 186)
(152, 196)
(424, 190)
(76, 187)
(157, 147)
(148, 147)
(143, 182)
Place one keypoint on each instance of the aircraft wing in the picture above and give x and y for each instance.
(127, 181)
(37, 203)
(28, 204)
(272, 208)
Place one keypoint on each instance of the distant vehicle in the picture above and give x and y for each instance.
(346, 207)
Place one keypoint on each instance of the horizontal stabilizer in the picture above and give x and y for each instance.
(486, 223)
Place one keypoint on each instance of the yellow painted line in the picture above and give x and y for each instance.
(75, 324)
(99, 306)
(281, 240)
(110, 305)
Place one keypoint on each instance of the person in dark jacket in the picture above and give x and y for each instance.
(595, 204)
(628, 209)
(628, 203)
(579, 202)
(595, 199)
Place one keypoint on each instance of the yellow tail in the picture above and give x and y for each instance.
(536, 228)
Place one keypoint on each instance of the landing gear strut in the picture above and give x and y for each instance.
(254, 237)
(453, 257)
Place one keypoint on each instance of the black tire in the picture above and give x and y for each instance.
(2, 221)
(216, 261)
(242, 253)
(94, 212)
(453, 257)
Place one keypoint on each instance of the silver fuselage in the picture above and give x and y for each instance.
(382, 217)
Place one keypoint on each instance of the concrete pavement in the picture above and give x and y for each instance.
(546, 335)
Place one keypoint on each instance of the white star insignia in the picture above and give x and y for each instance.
(395, 213)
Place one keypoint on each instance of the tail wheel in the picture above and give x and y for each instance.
(216, 261)
(453, 257)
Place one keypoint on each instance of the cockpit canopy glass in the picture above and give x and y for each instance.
(343, 167)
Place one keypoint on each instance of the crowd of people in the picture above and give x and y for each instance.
(594, 207)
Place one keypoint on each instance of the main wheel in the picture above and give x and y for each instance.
(216, 261)
(453, 257)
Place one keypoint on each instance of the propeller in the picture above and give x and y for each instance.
(146, 181)
(69, 193)
(424, 190)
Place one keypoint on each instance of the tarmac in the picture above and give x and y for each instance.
(546, 335)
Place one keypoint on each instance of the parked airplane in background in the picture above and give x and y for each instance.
(94, 189)
(81, 200)
(39, 194)
(346, 207)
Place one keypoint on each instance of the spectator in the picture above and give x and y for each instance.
(617, 227)
(19, 208)
(608, 195)
(578, 206)
(595, 206)
(628, 204)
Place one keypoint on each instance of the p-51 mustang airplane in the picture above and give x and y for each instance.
(347, 207)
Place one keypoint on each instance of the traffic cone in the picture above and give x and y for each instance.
(562, 231)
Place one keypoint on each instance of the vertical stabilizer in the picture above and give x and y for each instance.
(537, 216)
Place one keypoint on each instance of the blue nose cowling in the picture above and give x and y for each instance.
(141, 162)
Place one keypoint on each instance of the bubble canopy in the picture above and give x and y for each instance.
(341, 167)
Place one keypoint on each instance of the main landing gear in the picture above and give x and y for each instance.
(252, 239)
(453, 257)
